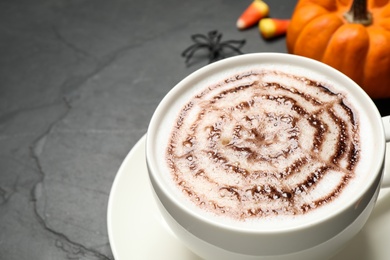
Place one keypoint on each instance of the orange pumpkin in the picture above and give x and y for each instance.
(351, 36)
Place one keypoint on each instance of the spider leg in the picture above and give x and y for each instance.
(189, 49)
(189, 52)
(199, 38)
(232, 47)
(235, 42)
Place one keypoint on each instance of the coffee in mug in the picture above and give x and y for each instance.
(266, 156)
(264, 146)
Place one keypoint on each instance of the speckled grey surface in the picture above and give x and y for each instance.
(79, 81)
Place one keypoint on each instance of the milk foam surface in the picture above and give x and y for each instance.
(262, 144)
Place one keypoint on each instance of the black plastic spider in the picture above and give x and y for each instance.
(212, 42)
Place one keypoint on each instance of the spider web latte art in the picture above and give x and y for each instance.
(264, 143)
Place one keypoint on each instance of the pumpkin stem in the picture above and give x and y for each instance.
(359, 13)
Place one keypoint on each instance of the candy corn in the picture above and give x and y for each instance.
(252, 15)
(270, 28)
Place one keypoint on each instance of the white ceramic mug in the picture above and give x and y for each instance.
(318, 239)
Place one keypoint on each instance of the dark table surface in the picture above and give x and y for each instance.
(79, 81)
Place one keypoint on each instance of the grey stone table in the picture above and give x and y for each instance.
(79, 81)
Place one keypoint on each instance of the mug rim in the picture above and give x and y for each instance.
(219, 65)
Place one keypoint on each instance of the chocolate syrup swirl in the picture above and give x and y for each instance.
(264, 143)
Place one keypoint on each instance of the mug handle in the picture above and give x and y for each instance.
(386, 174)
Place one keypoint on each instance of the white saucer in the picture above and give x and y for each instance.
(136, 229)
